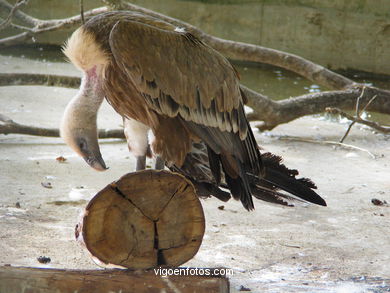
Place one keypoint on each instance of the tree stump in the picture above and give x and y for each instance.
(145, 219)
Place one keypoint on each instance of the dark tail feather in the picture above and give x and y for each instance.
(239, 186)
(293, 186)
(278, 176)
(215, 165)
(272, 196)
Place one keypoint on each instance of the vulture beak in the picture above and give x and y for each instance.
(96, 162)
(85, 143)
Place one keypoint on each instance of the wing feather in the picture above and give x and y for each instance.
(181, 75)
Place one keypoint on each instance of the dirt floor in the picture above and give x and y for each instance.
(344, 247)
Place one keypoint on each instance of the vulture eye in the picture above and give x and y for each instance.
(82, 144)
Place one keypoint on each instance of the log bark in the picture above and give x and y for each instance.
(34, 280)
(145, 219)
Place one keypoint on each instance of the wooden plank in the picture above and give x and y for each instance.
(38, 280)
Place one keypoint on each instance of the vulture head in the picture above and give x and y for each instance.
(78, 126)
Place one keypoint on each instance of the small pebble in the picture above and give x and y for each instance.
(44, 259)
(242, 288)
(46, 184)
(61, 159)
(378, 202)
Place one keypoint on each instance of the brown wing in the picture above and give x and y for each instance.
(179, 76)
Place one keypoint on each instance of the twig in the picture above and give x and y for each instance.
(41, 26)
(19, 15)
(15, 8)
(82, 11)
(357, 115)
(9, 126)
(372, 124)
(326, 142)
(368, 104)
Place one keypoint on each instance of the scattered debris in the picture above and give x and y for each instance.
(378, 202)
(242, 288)
(221, 208)
(46, 184)
(382, 215)
(17, 205)
(61, 159)
(44, 259)
(68, 202)
(349, 190)
(289, 245)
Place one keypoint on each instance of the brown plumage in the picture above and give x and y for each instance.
(280, 184)
(170, 81)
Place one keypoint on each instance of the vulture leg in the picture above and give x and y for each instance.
(141, 163)
(137, 141)
(159, 164)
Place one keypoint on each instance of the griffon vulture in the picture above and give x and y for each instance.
(167, 80)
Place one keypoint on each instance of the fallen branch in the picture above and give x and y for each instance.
(7, 79)
(9, 126)
(273, 113)
(327, 142)
(270, 112)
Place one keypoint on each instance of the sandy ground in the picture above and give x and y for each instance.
(344, 247)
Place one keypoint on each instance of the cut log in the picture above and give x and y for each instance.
(145, 219)
(34, 280)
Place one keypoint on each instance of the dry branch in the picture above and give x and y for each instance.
(7, 79)
(328, 142)
(270, 112)
(39, 26)
(355, 119)
(8, 20)
(9, 126)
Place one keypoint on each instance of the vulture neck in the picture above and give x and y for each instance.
(81, 113)
(90, 95)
